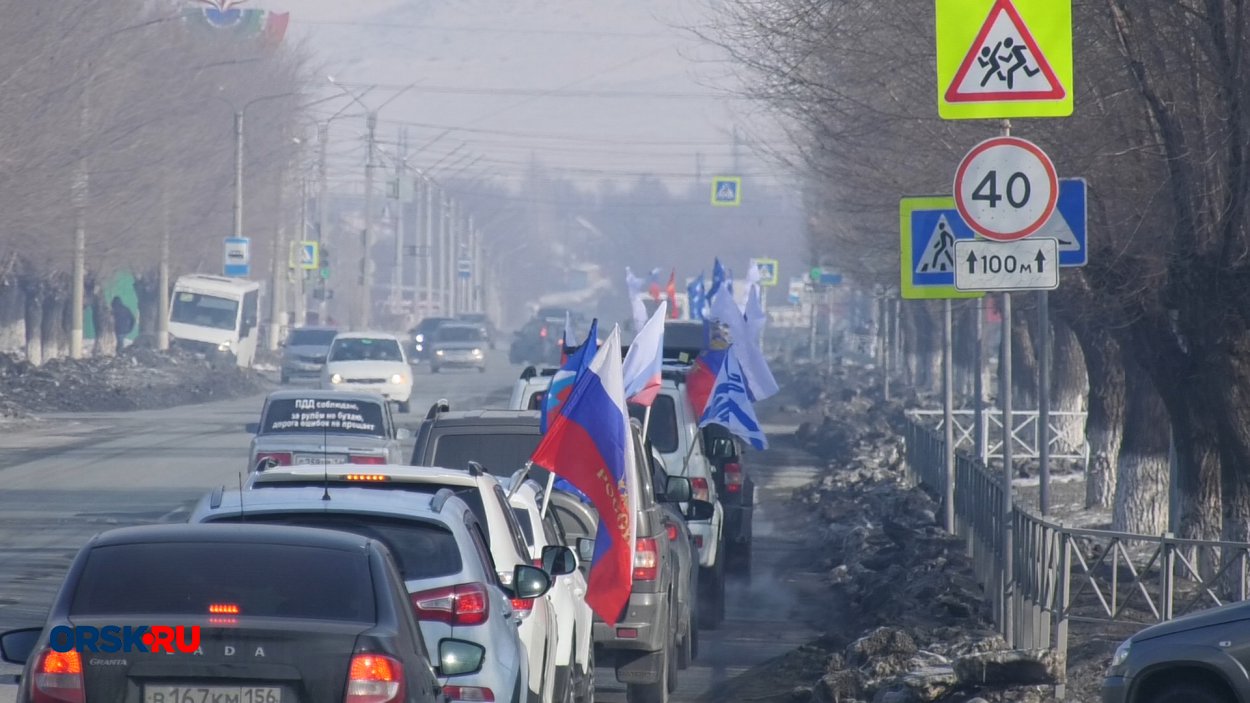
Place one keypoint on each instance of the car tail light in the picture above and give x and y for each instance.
(699, 488)
(366, 459)
(627, 633)
(672, 532)
(646, 559)
(542, 332)
(279, 458)
(374, 678)
(468, 693)
(58, 678)
(733, 478)
(463, 604)
(698, 541)
(523, 606)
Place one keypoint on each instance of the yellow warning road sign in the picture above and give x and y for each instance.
(1004, 58)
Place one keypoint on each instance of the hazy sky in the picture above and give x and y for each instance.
(597, 88)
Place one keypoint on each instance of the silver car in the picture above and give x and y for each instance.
(315, 427)
(304, 353)
(458, 344)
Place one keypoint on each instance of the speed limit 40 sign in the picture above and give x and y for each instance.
(1006, 188)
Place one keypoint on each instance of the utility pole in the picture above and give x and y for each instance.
(427, 249)
(397, 275)
(443, 239)
(238, 173)
(323, 135)
(479, 279)
(277, 286)
(77, 296)
(301, 295)
(366, 273)
(162, 285)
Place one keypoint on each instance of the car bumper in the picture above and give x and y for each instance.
(647, 614)
(1115, 689)
(465, 363)
(737, 524)
(706, 535)
(300, 369)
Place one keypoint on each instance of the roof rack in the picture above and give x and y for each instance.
(214, 501)
(442, 405)
(529, 373)
(440, 499)
(475, 469)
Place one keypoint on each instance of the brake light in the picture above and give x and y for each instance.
(698, 542)
(58, 678)
(223, 608)
(468, 693)
(672, 532)
(733, 478)
(523, 606)
(646, 559)
(374, 678)
(699, 489)
(463, 604)
(542, 332)
(367, 460)
(279, 458)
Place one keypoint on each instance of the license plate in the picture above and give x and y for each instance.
(319, 459)
(212, 694)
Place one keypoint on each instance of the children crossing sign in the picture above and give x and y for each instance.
(1004, 58)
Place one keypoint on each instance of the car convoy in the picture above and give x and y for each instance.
(458, 575)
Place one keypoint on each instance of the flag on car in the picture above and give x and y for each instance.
(589, 444)
(671, 291)
(759, 378)
(643, 361)
(654, 284)
(567, 337)
(562, 382)
(696, 298)
(755, 316)
(636, 308)
(718, 279)
(730, 406)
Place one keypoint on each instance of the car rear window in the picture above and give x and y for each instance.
(523, 519)
(421, 549)
(662, 428)
(500, 454)
(311, 338)
(324, 415)
(264, 580)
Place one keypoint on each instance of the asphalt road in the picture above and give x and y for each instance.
(70, 476)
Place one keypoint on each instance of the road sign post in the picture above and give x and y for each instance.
(237, 257)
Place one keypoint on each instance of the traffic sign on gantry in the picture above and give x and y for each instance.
(928, 228)
(1006, 188)
(1004, 58)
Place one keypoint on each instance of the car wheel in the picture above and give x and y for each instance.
(712, 604)
(652, 692)
(1191, 692)
(685, 653)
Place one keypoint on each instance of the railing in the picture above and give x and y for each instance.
(1025, 433)
(1062, 575)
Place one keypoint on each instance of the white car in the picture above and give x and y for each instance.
(505, 540)
(369, 362)
(575, 663)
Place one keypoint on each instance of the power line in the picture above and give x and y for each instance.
(482, 29)
(597, 93)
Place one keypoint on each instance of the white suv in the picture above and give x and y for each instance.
(575, 664)
(438, 545)
(505, 539)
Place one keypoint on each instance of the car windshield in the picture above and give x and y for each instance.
(365, 349)
(204, 310)
(311, 338)
(323, 415)
(265, 580)
(662, 427)
(421, 549)
(500, 454)
(458, 334)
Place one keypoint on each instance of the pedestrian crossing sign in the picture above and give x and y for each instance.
(929, 227)
(309, 255)
(727, 191)
(1004, 58)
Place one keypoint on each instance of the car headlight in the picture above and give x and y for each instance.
(477, 352)
(1121, 654)
(419, 338)
(419, 347)
(336, 378)
(398, 378)
(224, 346)
(439, 352)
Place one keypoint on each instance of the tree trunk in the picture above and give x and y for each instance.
(1069, 386)
(12, 317)
(102, 313)
(965, 342)
(1141, 482)
(1104, 425)
(52, 329)
(148, 293)
(1023, 354)
(911, 335)
(33, 290)
(929, 348)
(1198, 480)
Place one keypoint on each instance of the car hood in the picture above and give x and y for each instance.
(367, 369)
(330, 443)
(1223, 615)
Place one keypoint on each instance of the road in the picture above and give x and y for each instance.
(70, 476)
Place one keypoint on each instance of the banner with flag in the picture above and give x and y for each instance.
(718, 279)
(696, 298)
(759, 378)
(563, 381)
(636, 308)
(755, 316)
(653, 284)
(730, 406)
(645, 359)
(589, 444)
(674, 311)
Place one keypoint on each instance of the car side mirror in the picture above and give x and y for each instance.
(722, 448)
(403, 433)
(16, 645)
(559, 560)
(457, 657)
(700, 510)
(677, 490)
(585, 549)
(530, 582)
(252, 428)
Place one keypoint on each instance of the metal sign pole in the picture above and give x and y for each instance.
(1043, 398)
(1004, 379)
(978, 381)
(948, 418)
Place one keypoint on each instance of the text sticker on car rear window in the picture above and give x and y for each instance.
(323, 415)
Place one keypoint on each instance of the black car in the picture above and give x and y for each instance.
(481, 318)
(260, 614)
(537, 342)
(736, 491)
(421, 336)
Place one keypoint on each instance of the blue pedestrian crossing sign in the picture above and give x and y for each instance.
(309, 255)
(929, 227)
(236, 257)
(1068, 223)
(727, 191)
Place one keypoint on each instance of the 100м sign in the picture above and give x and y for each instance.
(1026, 264)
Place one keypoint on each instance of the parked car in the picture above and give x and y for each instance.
(439, 548)
(283, 614)
(481, 318)
(369, 362)
(458, 345)
(421, 334)
(324, 427)
(1198, 658)
(304, 353)
(575, 661)
(644, 647)
(736, 492)
(504, 539)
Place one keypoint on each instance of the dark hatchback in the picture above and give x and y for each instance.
(285, 615)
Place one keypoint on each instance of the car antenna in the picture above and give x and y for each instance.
(325, 465)
(241, 515)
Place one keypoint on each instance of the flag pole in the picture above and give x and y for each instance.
(646, 422)
(551, 481)
(516, 485)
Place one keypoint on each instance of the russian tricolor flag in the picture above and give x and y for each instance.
(645, 359)
(588, 443)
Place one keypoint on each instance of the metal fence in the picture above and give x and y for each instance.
(1043, 577)
(1025, 432)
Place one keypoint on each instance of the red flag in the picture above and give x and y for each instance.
(673, 311)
